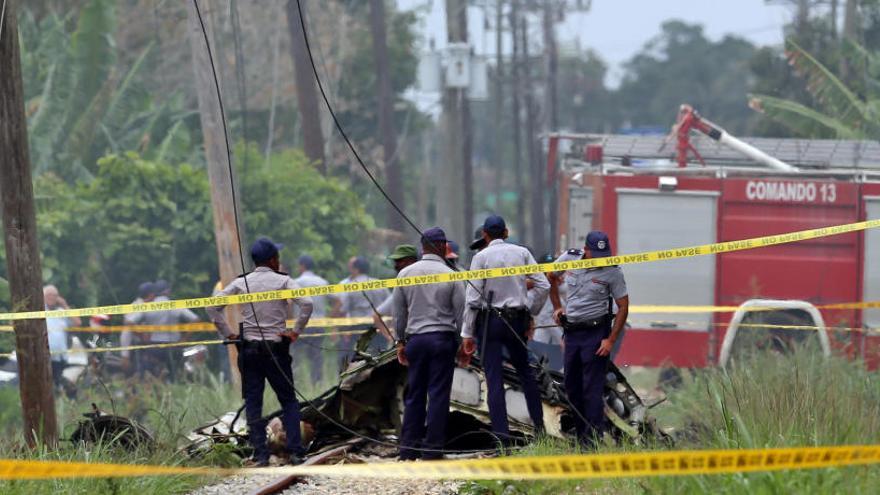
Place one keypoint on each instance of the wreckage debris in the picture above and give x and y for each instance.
(113, 431)
(369, 401)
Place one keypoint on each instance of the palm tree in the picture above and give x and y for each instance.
(845, 111)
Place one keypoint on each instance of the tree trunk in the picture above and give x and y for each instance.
(217, 159)
(458, 187)
(22, 249)
(536, 179)
(386, 114)
(516, 122)
(552, 112)
(306, 93)
(498, 157)
(851, 34)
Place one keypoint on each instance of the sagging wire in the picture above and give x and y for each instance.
(241, 253)
(381, 189)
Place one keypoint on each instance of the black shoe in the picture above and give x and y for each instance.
(256, 463)
(295, 460)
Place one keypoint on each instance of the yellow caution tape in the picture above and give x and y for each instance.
(646, 257)
(624, 465)
(162, 345)
(208, 327)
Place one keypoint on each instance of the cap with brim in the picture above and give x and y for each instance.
(450, 252)
(478, 242)
(598, 244)
(494, 224)
(403, 251)
(263, 249)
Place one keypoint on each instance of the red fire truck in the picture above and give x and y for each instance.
(655, 192)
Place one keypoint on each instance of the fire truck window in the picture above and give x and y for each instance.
(649, 221)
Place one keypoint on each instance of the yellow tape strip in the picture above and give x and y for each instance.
(625, 465)
(209, 327)
(646, 257)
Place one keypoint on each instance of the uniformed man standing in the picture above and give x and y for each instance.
(589, 332)
(402, 256)
(426, 319)
(264, 352)
(504, 325)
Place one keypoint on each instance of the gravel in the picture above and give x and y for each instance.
(235, 485)
(321, 485)
(325, 485)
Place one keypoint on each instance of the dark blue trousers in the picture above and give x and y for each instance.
(494, 340)
(585, 381)
(429, 378)
(257, 362)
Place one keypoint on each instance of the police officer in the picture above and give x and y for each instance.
(426, 319)
(264, 352)
(504, 325)
(590, 331)
(402, 256)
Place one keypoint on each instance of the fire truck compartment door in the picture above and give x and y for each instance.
(650, 220)
(872, 263)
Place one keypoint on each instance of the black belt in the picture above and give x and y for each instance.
(283, 345)
(508, 313)
(587, 325)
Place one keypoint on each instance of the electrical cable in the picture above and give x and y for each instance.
(241, 253)
(376, 183)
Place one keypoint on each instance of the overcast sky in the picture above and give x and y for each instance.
(617, 29)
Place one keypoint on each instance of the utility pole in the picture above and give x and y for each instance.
(459, 187)
(551, 55)
(536, 182)
(225, 229)
(386, 113)
(516, 121)
(306, 93)
(499, 100)
(22, 249)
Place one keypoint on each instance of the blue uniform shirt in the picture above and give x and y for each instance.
(589, 289)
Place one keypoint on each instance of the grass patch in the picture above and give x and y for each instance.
(168, 410)
(801, 399)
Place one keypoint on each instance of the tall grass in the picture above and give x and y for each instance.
(801, 399)
(168, 410)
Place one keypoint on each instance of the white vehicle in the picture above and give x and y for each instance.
(774, 325)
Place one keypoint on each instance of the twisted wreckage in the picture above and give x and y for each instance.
(368, 404)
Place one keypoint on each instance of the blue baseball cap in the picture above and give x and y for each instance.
(146, 289)
(494, 224)
(264, 250)
(307, 261)
(434, 235)
(598, 244)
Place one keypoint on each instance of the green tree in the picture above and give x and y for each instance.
(291, 202)
(836, 110)
(681, 65)
(82, 104)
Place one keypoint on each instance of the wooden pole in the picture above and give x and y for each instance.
(535, 167)
(22, 250)
(225, 231)
(516, 122)
(552, 110)
(306, 93)
(386, 114)
(458, 200)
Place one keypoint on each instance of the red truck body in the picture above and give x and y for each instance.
(647, 203)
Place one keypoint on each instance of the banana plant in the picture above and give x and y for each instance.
(844, 111)
(87, 105)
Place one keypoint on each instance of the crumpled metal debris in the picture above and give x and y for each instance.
(368, 402)
(112, 431)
